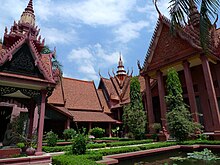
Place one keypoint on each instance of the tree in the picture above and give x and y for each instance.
(134, 117)
(179, 119)
(180, 11)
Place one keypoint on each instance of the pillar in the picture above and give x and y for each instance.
(149, 107)
(161, 91)
(190, 91)
(67, 124)
(41, 123)
(31, 111)
(110, 129)
(211, 93)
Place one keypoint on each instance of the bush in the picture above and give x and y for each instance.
(20, 145)
(56, 148)
(69, 134)
(73, 160)
(51, 138)
(134, 142)
(95, 145)
(79, 144)
(97, 132)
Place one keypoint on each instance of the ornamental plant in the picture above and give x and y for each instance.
(51, 138)
(97, 132)
(79, 144)
(69, 134)
(179, 119)
(134, 117)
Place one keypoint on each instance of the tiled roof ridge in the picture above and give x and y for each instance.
(74, 79)
(117, 92)
(6, 54)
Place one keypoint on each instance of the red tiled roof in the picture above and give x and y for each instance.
(88, 116)
(109, 87)
(103, 101)
(61, 109)
(57, 96)
(78, 94)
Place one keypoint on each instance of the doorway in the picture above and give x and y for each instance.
(5, 117)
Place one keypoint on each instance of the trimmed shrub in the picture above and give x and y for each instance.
(95, 145)
(97, 132)
(73, 160)
(134, 142)
(56, 148)
(69, 134)
(79, 144)
(51, 138)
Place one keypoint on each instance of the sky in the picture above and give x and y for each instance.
(90, 34)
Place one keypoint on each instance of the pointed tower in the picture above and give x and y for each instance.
(194, 15)
(121, 73)
(28, 16)
(25, 26)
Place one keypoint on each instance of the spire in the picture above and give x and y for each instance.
(28, 16)
(121, 71)
(194, 15)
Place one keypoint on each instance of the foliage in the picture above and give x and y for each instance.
(114, 138)
(156, 127)
(203, 137)
(20, 145)
(69, 134)
(95, 145)
(180, 11)
(56, 148)
(206, 155)
(1, 41)
(70, 160)
(179, 119)
(134, 117)
(154, 136)
(97, 132)
(79, 144)
(134, 142)
(51, 138)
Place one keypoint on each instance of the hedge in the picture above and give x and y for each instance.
(95, 145)
(56, 148)
(71, 159)
(134, 142)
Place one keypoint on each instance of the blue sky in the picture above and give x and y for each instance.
(89, 34)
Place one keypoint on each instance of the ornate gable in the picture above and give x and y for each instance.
(23, 63)
(168, 49)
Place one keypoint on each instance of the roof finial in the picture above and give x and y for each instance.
(28, 14)
(155, 4)
(194, 15)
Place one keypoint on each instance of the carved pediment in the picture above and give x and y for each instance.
(169, 48)
(22, 62)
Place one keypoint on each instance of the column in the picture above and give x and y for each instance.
(41, 123)
(161, 91)
(211, 93)
(149, 107)
(190, 91)
(110, 129)
(31, 119)
(67, 124)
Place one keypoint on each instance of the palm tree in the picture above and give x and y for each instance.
(181, 10)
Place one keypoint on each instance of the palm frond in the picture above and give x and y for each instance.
(207, 12)
(178, 10)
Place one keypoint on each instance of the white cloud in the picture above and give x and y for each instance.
(58, 36)
(90, 59)
(129, 31)
(96, 12)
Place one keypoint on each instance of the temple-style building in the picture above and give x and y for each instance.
(116, 91)
(198, 71)
(27, 77)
